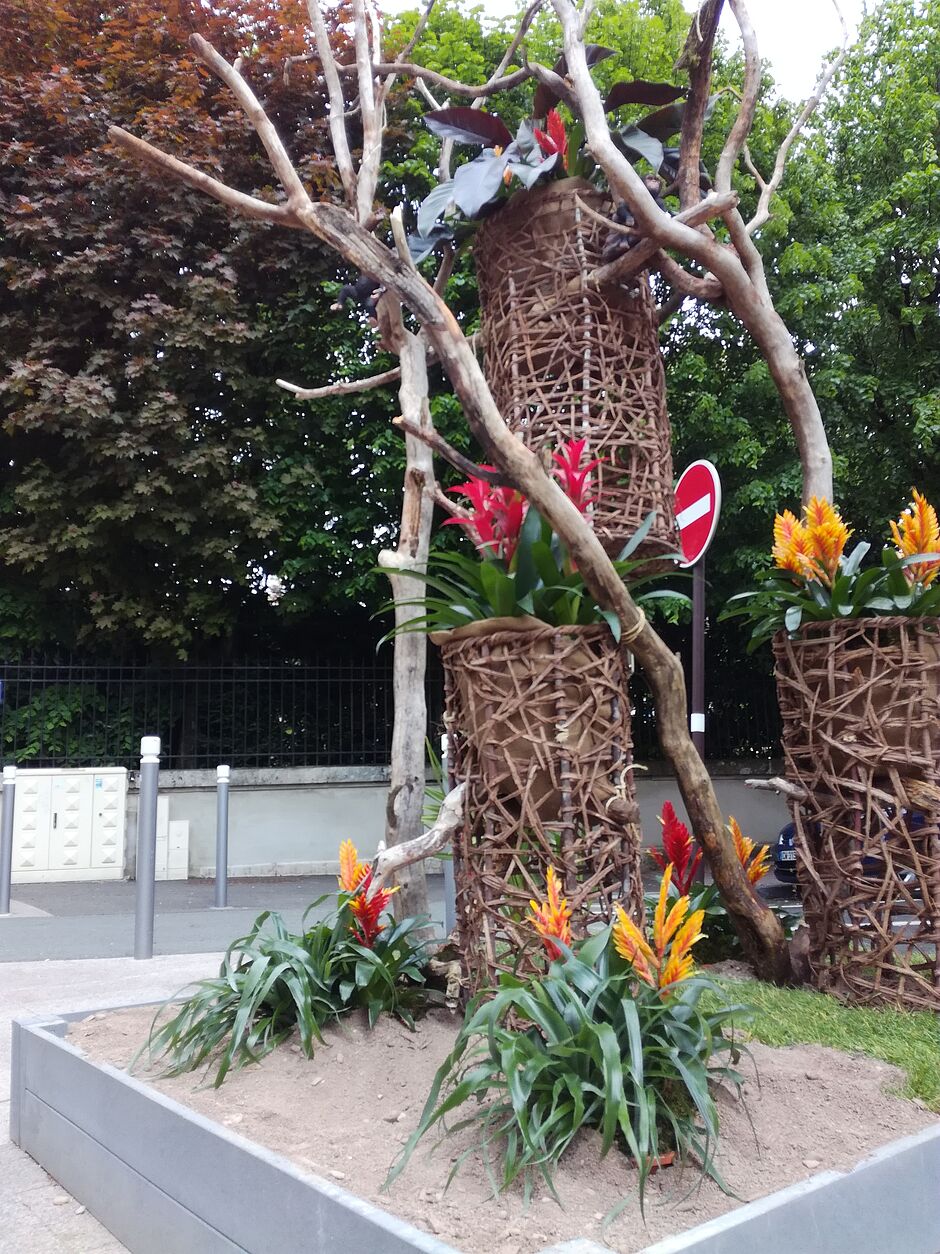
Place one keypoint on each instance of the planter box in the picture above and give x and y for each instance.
(165, 1180)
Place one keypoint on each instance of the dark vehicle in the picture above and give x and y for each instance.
(785, 852)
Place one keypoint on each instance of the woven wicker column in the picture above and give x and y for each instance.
(564, 360)
(539, 723)
(860, 701)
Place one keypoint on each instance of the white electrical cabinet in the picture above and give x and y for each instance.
(69, 824)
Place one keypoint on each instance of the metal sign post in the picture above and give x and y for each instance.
(146, 845)
(698, 505)
(6, 837)
(222, 774)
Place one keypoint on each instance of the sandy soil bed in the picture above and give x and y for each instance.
(346, 1113)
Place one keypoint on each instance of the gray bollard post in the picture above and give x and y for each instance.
(6, 837)
(221, 836)
(146, 845)
(450, 887)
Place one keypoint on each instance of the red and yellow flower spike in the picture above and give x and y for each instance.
(552, 918)
(918, 531)
(669, 960)
(755, 867)
(356, 877)
(632, 946)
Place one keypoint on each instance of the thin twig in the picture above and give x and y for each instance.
(750, 90)
(437, 442)
(828, 72)
(409, 69)
(346, 388)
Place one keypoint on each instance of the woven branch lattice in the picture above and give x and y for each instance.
(563, 363)
(860, 701)
(539, 725)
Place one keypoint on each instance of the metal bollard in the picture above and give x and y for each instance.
(450, 887)
(6, 837)
(146, 845)
(221, 836)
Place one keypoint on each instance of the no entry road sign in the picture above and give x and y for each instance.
(698, 504)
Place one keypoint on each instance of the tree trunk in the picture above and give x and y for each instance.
(405, 802)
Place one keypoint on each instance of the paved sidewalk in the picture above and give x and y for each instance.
(36, 1215)
(96, 919)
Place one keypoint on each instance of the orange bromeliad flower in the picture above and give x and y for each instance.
(918, 531)
(812, 548)
(755, 867)
(669, 959)
(356, 877)
(552, 917)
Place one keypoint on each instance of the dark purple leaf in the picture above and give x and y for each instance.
(664, 122)
(468, 126)
(544, 98)
(640, 91)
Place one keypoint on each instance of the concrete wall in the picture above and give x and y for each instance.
(291, 821)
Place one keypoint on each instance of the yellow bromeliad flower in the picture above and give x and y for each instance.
(756, 867)
(351, 871)
(827, 536)
(552, 917)
(812, 548)
(917, 531)
(669, 959)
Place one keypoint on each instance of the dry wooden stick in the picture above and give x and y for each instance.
(389, 861)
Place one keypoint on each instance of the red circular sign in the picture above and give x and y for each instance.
(698, 504)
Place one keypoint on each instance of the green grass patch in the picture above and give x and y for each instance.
(909, 1040)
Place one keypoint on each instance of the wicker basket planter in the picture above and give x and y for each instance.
(566, 361)
(860, 701)
(539, 724)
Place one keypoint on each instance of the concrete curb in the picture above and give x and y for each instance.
(166, 1180)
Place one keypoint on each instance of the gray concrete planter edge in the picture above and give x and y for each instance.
(164, 1179)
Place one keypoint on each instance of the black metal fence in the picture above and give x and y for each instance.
(271, 714)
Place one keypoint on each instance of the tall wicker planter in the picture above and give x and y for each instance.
(539, 725)
(860, 701)
(565, 360)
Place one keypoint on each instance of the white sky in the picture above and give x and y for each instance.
(794, 35)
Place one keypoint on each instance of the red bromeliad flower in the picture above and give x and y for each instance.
(677, 849)
(574, 478)
(496, 516)
(356, 877)
(556, 140)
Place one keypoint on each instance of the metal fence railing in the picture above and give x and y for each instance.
(274, 714)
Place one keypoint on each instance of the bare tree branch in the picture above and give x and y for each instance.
(696, 58)
(828, 72)
(371, 108)
(701, 287)
(750, 90)
(389, 861)
(670, 306)
(434, 440)
(337, 101)
(408, 69)
(745, 299)
(345, 388)
(415, 36)
(264, 128)
(248, 206)
(449, 506)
